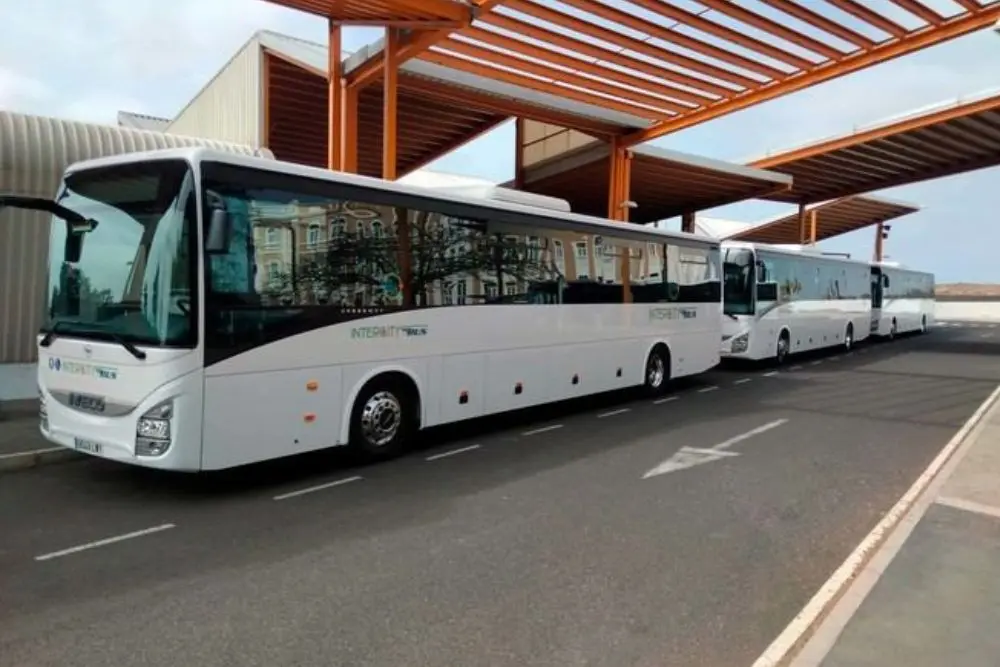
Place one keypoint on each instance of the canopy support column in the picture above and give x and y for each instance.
(335, 98)
(802, 223)
(687, 222)
(879, 237)
(618, 206)
(390, 79)
(812, 226)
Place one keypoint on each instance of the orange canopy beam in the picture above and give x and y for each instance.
(930, 35)
(892, 129)
(413, 44)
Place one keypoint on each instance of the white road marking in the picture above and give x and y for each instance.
(825, 598)
(970, 506)
(661, 401)
(816, 363)
(614, 412)
(320, 487)
(442, 455)
(985, 335)
(33, 452)
(741, 381)
(688, 457)
(544, 429)
(105, 542)
(795, 368)
(705, 390)
(770, 374)
(835, 357)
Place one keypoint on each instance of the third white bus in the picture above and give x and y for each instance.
(902, 300)
(209, 310)
(778, 302)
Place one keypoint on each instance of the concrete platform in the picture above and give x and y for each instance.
(932, 596)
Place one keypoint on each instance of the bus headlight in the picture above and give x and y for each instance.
(152, 432)
(740, 343)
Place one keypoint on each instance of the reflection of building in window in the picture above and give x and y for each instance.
(313, 235)
(274, 274)
(271, 238)
(510, 289)
(460, 292)
(491, 290)
(377, 229)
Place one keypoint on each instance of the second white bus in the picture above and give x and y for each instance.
(209, 310)
(902, 300)
(778, 302)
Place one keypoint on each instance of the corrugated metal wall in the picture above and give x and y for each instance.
(228, 108)
(34, 152)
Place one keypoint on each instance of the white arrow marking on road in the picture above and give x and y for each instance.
(689, 457)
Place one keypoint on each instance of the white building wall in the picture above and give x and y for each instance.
(230, 107)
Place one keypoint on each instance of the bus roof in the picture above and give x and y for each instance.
(793, 252)
(896, 266)
(559, 219)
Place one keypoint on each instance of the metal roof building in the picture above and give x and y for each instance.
(34, 152)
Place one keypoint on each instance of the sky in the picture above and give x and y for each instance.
(102, 56)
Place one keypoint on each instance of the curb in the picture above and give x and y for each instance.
(36, 458)
(792, 641)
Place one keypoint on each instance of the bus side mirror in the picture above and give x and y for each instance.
(74, 247)
(219, 230)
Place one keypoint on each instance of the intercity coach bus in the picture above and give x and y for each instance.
(208, 310)
(778, 301)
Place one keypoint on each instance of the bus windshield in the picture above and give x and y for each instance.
(737, 290)
(128, 276)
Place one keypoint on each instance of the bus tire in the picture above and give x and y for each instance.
(783, 347)
(385, 417)
(892, 330)
(923, 324)
(849, 337)
(657, 373)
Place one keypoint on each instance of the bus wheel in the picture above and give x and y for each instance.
(923, 324)
(892, 329)
(783, 347)
(383, 419)
(657, 371)
(849, 337)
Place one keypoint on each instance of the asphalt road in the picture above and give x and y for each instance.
(512, 545)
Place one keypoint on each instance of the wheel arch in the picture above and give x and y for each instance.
(381, 372)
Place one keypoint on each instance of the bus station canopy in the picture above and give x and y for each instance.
(664, 183)
(942, 140)
(439, 109)
(673, 64)
(825, 220)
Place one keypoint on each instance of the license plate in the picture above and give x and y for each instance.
(88, 446)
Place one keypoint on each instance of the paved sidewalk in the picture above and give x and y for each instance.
(936, 601)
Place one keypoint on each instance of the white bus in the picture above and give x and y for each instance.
(778, 302)
(209, 310)
(902, 300)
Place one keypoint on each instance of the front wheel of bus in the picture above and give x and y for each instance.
(782, 349)
(382, 421)
(849, 337)
(657, 371)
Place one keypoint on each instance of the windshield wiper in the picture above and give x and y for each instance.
(50, 335)
(132, 349)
